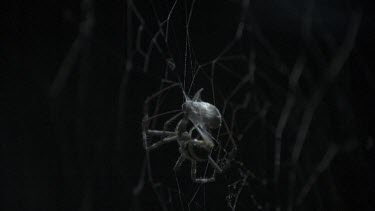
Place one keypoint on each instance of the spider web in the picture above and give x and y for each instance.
(273, 105)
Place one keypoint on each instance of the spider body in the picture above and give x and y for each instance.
(193, 147)
(197, 150)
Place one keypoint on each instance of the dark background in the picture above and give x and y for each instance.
(77, 145)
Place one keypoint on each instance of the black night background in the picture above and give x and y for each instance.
(294, 81)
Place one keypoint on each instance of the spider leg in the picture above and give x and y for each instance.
(172, 136)
(168, 122)
(162, 142)
(179, 162)
(234, 149)
(145, 121)
(160, 133)
(146, 118)
(214, 165)
(232, 153)
(194, 174)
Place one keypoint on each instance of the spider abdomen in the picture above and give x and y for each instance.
(202, 113)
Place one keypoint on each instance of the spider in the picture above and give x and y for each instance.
(203, 116)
